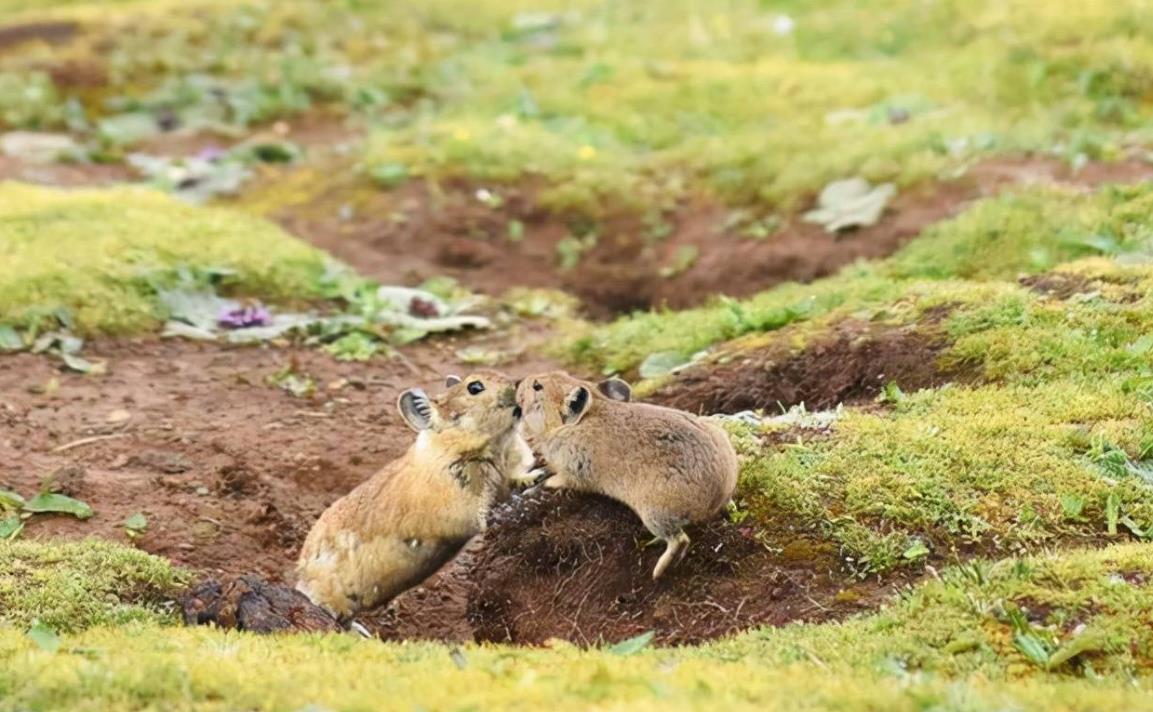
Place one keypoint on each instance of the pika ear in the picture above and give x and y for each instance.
(615, 389)
(576, 405)
(416, 409)
(450, 381)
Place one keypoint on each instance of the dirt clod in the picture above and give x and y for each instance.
(251, 604)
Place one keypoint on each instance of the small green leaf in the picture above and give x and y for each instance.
(58, 503)
(82, 365)
(11, 500)
(10, 527)
(458, 658)
(136, 523)
(44, 637)
(633, 645)
(390, 175)
(662, 363)
(1032, 648)
(1112, 513)
(683, 260)
(917, 550)
(1086, 642)
(515, 231)
(9, 339)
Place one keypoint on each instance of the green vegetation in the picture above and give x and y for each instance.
(627, 102)
(1063, 632)
(70, 586)
(100, 254)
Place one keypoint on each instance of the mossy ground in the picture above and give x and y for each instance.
(1069, 632)
(100, 253)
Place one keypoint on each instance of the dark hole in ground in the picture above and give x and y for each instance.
(852, 364)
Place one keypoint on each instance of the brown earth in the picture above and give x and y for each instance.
(425, 229)
(851, 364)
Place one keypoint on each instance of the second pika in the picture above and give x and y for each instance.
(672, 468)
(400, 526)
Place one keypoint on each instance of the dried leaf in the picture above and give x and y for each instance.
(845, 204)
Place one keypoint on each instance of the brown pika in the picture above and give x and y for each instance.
(672, 468)
(400, 526)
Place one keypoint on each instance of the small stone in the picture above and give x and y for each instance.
(202, 491)
(119, 416)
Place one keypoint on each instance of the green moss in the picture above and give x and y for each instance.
(954, 643)
(97, 253)
(76, 585)
(991, 468)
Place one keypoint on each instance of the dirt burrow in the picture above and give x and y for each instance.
(851, 364)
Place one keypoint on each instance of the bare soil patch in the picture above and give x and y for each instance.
(426, 229)
(851, 364)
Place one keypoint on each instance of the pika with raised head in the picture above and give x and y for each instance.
(670, 467)
(401, 525)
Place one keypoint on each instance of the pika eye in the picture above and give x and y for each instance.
(536, 386)
(475, 387)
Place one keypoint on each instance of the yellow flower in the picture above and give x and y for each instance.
(586, 153)
(462, 134)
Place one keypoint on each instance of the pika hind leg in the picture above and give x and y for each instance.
(676, 547)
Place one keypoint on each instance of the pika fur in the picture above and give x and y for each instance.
(400, 526)
(672, 468)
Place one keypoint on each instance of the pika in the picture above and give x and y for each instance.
(398, 527)
(672, 468)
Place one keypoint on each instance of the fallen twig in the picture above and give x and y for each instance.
(88, 441)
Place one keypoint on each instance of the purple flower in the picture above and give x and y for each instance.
(211, 153)
(244, 317)
(423, 308)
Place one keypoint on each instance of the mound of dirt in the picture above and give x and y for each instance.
(850, 365)
(249, 603)
(561, 565)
